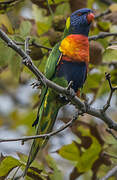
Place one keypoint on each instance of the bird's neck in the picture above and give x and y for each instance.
(75, 47)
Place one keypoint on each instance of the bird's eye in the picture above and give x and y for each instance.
(79, 14)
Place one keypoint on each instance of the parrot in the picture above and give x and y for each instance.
(67, 62)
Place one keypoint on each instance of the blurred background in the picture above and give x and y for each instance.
(86, 150)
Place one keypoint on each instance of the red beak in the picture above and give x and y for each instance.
(90, 17)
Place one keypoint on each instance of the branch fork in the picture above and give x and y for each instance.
(107, 105)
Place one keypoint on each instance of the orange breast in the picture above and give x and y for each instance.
(75, 47)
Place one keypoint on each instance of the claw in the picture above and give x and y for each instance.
(70, 85)
(36, 84)
(71, 92)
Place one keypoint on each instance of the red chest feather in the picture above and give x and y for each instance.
(76, 48)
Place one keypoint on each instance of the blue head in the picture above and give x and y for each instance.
(79, 22)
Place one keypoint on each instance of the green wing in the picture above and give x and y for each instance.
(52, 62)
(47, 116)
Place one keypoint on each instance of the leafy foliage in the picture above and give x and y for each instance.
(86, 153)
(36, 171)
(7, 164)
(44, 23)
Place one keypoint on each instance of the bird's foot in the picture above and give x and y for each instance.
(36, 84)
(70, 91)
(86, 105)
(63, 99)
(70, 85)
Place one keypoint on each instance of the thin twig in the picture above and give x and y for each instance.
(39, 45)
(42, 135)
(111, 173)
(107, 105)
(33, 43)
(9, 2)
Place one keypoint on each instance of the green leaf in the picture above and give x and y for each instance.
(65, 7)
(88, 157)
(4, 21)
(7, 164)
(84, 154)
(70, 152)
(110, 55)
(42, 27)
(105, 26)
(43, 22)
(25, 28)
(90, 3)
(39, 14)
(35, 171)
(56, 174)
(15, 65)
(5, 54)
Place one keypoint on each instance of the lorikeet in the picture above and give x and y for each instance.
(67, 62)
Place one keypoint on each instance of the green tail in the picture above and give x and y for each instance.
(47, 116)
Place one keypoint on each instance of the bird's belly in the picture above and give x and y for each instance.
(73, 71)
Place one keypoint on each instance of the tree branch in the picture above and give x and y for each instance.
(111, 173)
(101, 35)
(59, 89)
